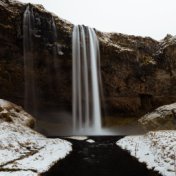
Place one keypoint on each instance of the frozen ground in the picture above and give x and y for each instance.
(156, 149)
(23, 151)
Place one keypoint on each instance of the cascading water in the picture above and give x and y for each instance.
(52, 63)
(86, 72)
(54, 32)
(30, 101)
(31, 95)
(86, 80)
(55, 51)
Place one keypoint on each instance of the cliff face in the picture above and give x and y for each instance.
(12, 61)
(138, 73)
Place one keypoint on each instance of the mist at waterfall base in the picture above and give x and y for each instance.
(87, 91)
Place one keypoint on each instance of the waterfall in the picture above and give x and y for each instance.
(55, 51)
(32, 97)
(29, 95)
(86, 79)
(54, 30)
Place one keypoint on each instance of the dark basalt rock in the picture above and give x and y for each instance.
(139, 74)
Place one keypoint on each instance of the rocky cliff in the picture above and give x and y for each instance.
(139, 74)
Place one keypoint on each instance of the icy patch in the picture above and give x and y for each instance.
(156, 149)
(79, 138)
(90, 141)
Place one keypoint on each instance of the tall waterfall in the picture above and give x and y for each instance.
(55, 51)
(32, 97)
(86, 79)
(30, 102)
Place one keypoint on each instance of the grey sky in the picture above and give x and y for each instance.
(154, 18)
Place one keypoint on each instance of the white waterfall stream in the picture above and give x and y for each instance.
(86, 80)
(31, 97)
(29, 81)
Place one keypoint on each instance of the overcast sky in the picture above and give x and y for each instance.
(154, 18)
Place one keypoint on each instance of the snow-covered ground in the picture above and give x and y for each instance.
(156, 149)
(19, 173)
(23, 149)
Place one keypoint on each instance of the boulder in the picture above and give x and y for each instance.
(10, 112)
(162, 118)
(24, 151)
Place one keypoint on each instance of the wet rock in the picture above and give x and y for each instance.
(138, 74)
(162, 118)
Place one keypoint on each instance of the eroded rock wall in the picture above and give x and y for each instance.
(139, 74)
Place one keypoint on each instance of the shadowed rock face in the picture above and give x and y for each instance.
(139, 74)
(11, 55)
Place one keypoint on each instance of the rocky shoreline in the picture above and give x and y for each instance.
(101, 157)
(23, 151)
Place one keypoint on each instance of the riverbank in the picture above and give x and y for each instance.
(99, 156)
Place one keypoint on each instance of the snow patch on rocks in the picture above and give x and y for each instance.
(162, 118)
(10, 112)
(156, 149)
(90, 141)
(23, 151)
(78, 138)
(28, 150)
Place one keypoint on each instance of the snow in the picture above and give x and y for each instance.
(21, 148)
(12, 112)
(23, 151)
(106, 38)
(19, 173)
(156, 149)
(161, 112)
(90, 141)
(79, 138)
(4, 103)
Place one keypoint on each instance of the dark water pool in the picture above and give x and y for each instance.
(101, 158)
